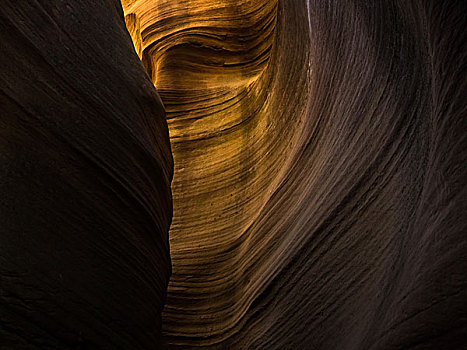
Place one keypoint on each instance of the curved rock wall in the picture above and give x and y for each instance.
(319, 187)
(319, 152)
(232, 132)
(85, 171)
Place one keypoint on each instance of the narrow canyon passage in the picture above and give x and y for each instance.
(233, 174)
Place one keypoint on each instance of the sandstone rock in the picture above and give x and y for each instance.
(319, 152)
(319, 172)
(85, 171)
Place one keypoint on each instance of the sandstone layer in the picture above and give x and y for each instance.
(319, 152)
(85, 171)
(319, 160)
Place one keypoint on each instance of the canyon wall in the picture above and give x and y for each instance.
(319, 178)
(85, 171)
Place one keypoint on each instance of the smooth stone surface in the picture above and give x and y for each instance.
(320, 179)
(319, 152)
(85, 171)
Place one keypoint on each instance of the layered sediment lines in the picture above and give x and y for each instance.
(85, 171)
(319, 152)
(320, 156)
(232, 132)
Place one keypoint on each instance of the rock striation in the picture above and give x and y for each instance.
(319, 152)
(234, 121)
(319, 177)
(85, 171)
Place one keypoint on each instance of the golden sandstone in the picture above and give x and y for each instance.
(233, 174)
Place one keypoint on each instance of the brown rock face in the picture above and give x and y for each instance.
(234, 108)
(309, 193)
(85, 171)
(319, 151)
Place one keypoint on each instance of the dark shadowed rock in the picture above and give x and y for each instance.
(85, 171)
(319, 192)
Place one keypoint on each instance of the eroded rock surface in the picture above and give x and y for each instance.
(319, 183)
(85, 171)
(320, 159)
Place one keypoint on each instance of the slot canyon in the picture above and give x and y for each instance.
(233, 174)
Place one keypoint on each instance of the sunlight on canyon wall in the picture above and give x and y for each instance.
(227, 94)
(284, 175)
(317, 150)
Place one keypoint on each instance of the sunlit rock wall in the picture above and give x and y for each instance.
(319, 152)
(319, 191)
(234, 121)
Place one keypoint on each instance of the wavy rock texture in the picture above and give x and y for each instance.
(232, 132)
(319, 183)
(319, 188)
(85, 171)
